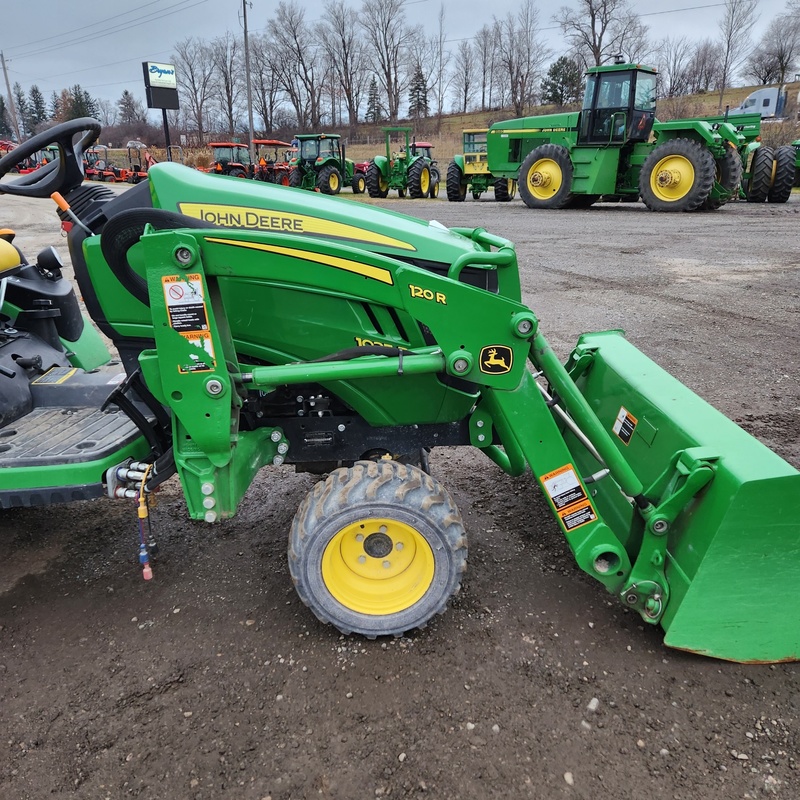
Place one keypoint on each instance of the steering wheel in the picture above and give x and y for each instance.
(60, 175)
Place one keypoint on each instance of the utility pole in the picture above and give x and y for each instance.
(11, 107)
(250, 145)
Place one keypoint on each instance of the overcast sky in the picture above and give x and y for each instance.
(101, 46)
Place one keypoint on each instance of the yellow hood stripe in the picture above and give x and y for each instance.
(376, 273)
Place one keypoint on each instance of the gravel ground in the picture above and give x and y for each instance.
(214, 681)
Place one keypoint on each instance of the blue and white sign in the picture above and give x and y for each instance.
(161, 75)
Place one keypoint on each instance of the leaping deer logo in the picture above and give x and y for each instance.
(496, 359)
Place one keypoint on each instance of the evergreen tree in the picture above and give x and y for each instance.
(21, 104)
(418, 95)
(374, 105)
(563, 84)
(82, 104)
(36, 107)
(54, 111)
(131, 110)
(5, 122)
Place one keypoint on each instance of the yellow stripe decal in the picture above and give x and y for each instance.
(264, 219)
(376, 273)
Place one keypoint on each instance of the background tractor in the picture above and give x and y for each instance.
(231, 158)
(259, 327)
(469, 171)
(272, 161)
(320, 164)
(615, 146)
(409, 169)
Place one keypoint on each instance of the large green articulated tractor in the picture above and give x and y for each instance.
(408, 170)
(320, 165)
(260, 327)
(615, 147)
(469, 172)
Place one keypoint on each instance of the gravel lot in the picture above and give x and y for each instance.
(214, 681)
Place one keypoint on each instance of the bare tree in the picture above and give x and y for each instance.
(463, 76)
(228, 78)
(265, 81)
(387, 39)
(340, 36)
(439, 74)
(598, 30)
(522, 54)
(674, 56)
(777, 53)
(485, 49)
(702, 72)
(299, 64)
(195, 72)
(734, 39)
(106, 113)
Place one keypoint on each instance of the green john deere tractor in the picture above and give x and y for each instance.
(320, 165)
(615, 146)
(408, 169)
(258, 327)
(469, 172)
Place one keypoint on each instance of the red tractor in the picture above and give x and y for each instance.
(272, 163)
(231, 158)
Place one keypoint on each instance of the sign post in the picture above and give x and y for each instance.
(161, 88)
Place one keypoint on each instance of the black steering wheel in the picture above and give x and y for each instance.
(63, 173)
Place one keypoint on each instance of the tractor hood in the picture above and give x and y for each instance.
(236, 203)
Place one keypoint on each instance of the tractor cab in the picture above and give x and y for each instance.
(319, 147)
(231, 158)
(619, 104)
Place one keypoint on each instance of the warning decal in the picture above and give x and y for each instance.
(187, 315)
(569, 498)
(55, 376)
(624, 425)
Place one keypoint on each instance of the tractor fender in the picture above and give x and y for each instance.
(687, 129)
(459, 159)
(382, 163)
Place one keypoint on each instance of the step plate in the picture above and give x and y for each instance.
(51, 436)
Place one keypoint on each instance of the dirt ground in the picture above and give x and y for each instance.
(214, 681)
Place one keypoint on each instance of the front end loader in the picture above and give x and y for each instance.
(261, 327)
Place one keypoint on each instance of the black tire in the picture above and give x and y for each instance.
(728, 175)
(237, 173)
(503, 190)
(476, 195)
(377, 549)
(419, 179)
(784, 174)
(758, 185)
(296, 179)
(377, 185)
(401, 193)
(435, 181)
(545, 177)
(678, 175)
(456, 188)
(359, 183)
(329, 180)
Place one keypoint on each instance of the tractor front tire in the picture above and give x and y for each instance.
(728, 175)
(377, 185)
(435, 181)
(296, 179)
(456, 188)
(545, 177)
(419, 179)
(329, 180)
(377, 549)
(237, 173)
(783, 174)
(760, 181)
(504, 189)
(678, 175)
(359, 183)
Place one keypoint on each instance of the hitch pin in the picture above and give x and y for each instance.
(59, 200)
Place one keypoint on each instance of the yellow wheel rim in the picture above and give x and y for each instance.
(384, 184)
(425, 181)
(378, 566)
(544, 178)
(672, 178)
(334, 182)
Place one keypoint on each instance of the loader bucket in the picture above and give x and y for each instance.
(731, 553)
